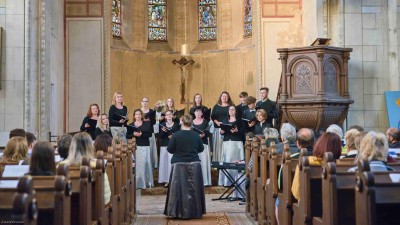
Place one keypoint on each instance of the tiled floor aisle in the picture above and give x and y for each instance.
(151, 207)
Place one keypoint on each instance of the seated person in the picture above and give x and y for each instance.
(374, 148)
(102, 142)
(350, 137)
(17, 132)
(31, 139)
(15, 151)
(63, 144)
(81, 145)
(42, 161)
(327, 142)
(288, 136)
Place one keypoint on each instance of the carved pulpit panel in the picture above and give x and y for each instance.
(331, 75)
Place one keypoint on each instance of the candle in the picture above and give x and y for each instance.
(185, 49)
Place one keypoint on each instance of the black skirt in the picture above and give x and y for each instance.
(185, 197)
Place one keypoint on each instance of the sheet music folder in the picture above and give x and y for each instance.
(201, 131)
(169, 129)
(227, 127)
(131, 129)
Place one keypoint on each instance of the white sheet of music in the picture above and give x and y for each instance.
(9, 183)
(395, 177)
(57, 158)
(15, 170)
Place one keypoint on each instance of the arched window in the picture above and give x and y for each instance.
(248, 18)
(116, 18)
(207, 20)
(157, 20)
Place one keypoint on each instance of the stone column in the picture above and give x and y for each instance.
(393, 71)
(32, 41)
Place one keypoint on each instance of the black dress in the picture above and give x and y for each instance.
(185, 197)
(92, 126)
(269, 107)
(115, 115)
(98, 131)
(202, 127)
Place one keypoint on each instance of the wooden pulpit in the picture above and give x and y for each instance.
(314, 90)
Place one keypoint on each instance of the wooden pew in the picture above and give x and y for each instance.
(247, 159)
(53, 199)
(101, 211)
(18, 203)
(114, 199)
(253, 178)
(126, 183)
(132, 178)
(261, 181)
(310, 204)
(271, 186)
(119, 184)
(377, 197)
(285, 196)
(80, 178)
(338, 199)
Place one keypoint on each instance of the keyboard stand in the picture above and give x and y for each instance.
(234, 186)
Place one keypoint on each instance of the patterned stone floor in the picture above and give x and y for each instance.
(151, 207)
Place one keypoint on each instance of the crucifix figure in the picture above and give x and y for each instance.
(182, 63)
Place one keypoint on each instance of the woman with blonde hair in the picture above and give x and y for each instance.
(15, 151)
(118, 116)
(374, 149)
(102, 126)
(81, 145)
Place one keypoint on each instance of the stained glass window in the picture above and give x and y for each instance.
(248, 18)
(116, 18)
(207, 20)
(157, 20)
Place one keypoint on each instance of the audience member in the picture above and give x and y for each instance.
(357, 127)
(328, 142)
(305, 138)
(374, 149)
(288, 136)
(63, 144)
(393, 136)
(31, 139)
(350, 137)
(17, 132)
(42, 162)
(15, 151)
(81, 145)
(102, 142)
(271, 135)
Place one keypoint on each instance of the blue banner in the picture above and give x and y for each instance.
(393, 108)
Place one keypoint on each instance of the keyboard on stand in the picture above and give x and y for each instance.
(224, 167)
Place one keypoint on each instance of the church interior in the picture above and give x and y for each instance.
(59, 57)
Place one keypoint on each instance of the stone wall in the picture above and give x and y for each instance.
(32, 84)
(367, 26)
(141, 68)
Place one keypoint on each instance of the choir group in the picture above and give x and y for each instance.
(222, 131)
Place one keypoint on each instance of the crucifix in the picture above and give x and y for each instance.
(183, 63)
